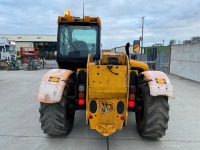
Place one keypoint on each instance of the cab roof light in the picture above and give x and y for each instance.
(67, 13)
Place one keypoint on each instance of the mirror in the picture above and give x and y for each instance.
(136, 46)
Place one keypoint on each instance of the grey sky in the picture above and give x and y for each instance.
(121, 19)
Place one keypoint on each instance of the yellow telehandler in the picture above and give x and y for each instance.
(106, 85)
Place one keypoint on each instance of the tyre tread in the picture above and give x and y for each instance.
(156, 117)
(53, 118)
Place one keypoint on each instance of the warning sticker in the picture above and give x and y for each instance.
(106, 107)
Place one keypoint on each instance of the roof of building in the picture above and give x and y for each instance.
(29, 37)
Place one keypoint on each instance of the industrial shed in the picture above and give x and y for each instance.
(45, 43)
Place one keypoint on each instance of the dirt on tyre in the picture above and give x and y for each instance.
(56, 119)
(152, 119)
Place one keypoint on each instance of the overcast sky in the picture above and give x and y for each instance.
(121, 19)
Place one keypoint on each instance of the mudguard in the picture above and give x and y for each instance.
(138, 65)
(52, 85)
(159, 83)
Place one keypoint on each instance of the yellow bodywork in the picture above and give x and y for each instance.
(106, 120)
(105, 84)
(67, 17)
(107, 87)
(138, 64)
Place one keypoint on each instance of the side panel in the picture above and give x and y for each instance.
(52, 85)
(107, 93)
(159, 84)
(107, 98)
(105, 83)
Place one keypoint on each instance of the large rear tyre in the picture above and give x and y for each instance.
(56, 119)
(152, 120)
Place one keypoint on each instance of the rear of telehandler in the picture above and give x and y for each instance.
(107, 87)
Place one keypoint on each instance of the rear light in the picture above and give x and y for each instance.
(90, 116)
(132, 90)
(81, 102)
(132, 97)
(131, 104)
(81, 95)
(122, 118)
(81, 88)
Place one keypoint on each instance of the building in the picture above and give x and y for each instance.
(45, 43)
(122, 49)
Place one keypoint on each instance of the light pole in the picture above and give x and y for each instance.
(142, 34)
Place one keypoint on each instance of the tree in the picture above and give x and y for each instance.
(195, 39)
(187, 42)
(172, 42)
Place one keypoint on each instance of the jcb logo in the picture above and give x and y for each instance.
(106, 107)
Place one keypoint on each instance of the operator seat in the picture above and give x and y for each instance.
(82, 47)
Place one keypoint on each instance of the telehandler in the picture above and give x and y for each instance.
(106, 85)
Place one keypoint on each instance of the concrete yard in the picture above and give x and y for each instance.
(20, 126)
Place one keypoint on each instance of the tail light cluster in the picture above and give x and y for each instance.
(81, 87)
(81, 95)
(131, 102)
(132, 89)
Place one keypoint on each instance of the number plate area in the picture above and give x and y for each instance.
(103, 116)
(106, 107)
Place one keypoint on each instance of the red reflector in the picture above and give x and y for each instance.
(90, 116)
(81, 102)
(131, 104)
(122, 118)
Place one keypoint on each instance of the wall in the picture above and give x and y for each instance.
(122, 49)
(185, 61)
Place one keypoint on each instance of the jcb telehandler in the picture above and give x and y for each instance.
(106, 85)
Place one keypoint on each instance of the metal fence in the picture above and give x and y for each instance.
(162, 62)
(156, 61)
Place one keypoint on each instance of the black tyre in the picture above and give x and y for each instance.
(152, 119)
(56, 119)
